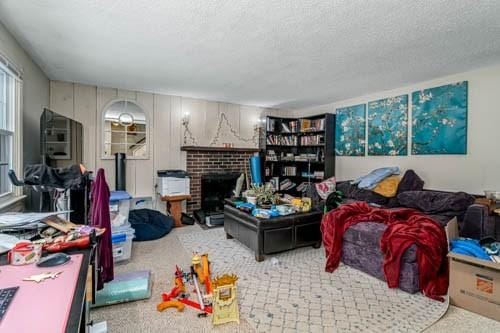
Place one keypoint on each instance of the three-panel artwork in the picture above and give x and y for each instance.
(380, 128)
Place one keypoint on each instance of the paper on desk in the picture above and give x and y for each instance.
(24, 220)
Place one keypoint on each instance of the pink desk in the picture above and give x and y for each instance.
(40, 307)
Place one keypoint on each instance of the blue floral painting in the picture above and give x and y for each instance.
(388, 126)
(350, 130)
(439, 120)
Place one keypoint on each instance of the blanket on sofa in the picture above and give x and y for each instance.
(405, 227)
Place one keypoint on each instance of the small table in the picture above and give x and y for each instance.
(267, 236)
(174, 206)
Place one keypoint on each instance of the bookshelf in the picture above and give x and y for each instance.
(299, 151)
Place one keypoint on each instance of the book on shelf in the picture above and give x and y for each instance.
(289, 171)
(311, 140)
(311, 125)
(284, 140)
(286, 184)
(289, 126)
(271, 125)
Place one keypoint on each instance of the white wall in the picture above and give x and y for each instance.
(474, 172)
(35, 94)
(86, 103)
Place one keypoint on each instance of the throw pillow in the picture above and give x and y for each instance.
(410, 182)
(325, 187)
(388, 187)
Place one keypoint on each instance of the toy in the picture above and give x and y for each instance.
(224, 304)
(199, 274)
(170, 304)
(201, 266)
(42, 277)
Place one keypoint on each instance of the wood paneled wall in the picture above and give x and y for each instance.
(86, 103)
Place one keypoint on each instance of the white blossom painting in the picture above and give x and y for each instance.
(388, 126)
(350, 130)
(439, 123)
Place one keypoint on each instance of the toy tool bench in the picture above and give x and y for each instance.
(197, 290)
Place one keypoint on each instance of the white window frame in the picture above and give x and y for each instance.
(15, 107)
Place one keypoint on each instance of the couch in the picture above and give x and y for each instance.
(361, 242)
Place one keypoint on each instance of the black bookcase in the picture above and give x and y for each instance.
(299, 150)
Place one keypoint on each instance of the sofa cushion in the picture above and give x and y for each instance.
(439, 203)
(368, 234)
(353, 192)
(410, 182)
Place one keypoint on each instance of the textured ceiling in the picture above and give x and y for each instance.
(287, 54)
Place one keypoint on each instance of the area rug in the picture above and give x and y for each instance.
(292, 292)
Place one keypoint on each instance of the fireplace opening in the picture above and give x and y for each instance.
(215, 187)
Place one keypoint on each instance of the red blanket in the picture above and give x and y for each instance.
(405, 227)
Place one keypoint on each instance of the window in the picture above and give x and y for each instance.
(10, 90)
(125, 130)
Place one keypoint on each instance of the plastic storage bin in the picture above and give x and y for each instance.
(119, 207)
(121, 240)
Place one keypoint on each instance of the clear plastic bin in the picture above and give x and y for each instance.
(121, 240)
(119, 208)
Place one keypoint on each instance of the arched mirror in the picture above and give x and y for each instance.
(125, 130)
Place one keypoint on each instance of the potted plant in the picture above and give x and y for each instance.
(265, 195)
(250, 196)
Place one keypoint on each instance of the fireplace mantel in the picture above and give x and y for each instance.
(223, 149)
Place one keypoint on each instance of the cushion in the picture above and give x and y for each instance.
(368, 235)
(325, 187)
(373, 178)
(433, 202)
(410, 182)
(388, 187)
(353, 192)
(149, 224)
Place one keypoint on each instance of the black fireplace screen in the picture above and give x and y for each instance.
(215, 187)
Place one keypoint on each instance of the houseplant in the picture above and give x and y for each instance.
(266, 197)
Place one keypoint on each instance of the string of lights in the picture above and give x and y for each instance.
(189, 137)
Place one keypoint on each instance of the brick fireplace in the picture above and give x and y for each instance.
(202, 161)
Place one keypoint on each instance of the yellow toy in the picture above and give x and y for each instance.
(201, 266)
(302, 204)
(170, 304)
(225, 305)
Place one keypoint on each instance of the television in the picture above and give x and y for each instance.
(61, 140)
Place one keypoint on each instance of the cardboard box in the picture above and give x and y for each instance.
(474, 283)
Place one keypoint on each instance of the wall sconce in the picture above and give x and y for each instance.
(185, 118)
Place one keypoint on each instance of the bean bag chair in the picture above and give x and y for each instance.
(149, 224)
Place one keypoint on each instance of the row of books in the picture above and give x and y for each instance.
(289, 171)
(312, 140)
(287, 140)
(304, 157)
(314, 175)
(307, 125)
(295, 126)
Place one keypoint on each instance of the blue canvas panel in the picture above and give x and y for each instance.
(388, 126)
(350, 130)
(439, 124)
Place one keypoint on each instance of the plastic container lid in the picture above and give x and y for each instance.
(119, 195)
(118, 238)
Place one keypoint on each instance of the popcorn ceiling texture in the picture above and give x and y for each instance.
(287, 54)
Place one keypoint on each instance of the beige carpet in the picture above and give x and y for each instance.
(161, 256)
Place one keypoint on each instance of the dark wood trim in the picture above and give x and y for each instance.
(223, 149)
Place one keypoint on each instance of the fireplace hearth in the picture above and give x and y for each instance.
(214, 168)
(215, 187)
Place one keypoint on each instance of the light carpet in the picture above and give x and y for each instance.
(162, 255)
(293, 292)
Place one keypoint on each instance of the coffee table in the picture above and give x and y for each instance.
(267, 236)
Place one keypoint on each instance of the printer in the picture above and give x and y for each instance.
(173, 182)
